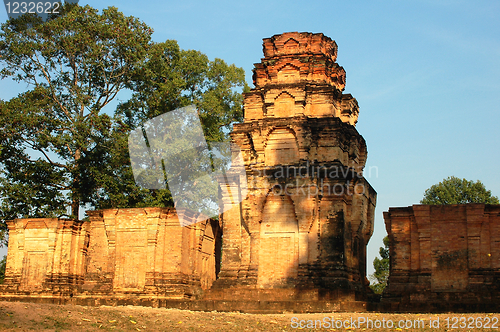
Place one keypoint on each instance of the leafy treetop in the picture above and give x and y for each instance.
(458, 191)
(381, 265)
(75, 65)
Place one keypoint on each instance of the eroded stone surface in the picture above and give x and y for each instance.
(443, 257)
(46, 255)
(117, 252)
(299, 76)
(146, 250)
(302, 231)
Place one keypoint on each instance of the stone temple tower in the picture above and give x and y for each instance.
(301, 232)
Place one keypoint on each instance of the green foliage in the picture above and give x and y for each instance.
(58, 148)
(381, 275)
(3, 264)
(55, 137)
(172, 78)
(458, 191)
(3, 236)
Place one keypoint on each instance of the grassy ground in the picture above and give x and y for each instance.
(17, 316)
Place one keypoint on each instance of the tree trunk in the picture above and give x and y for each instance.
(75, 208)
(75, 201)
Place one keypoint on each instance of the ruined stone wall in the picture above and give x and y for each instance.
(117, 253)
(146, 250)
(301, 232)
(46, 255)
(443, 257)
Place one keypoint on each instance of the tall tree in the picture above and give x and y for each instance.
(56, 132)
(458, 191)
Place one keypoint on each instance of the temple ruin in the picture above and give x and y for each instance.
(301, 233)
(443, 258)
(295, 238)
(120, 254)
(296, 242)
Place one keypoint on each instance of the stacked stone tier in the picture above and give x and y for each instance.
(299, 76)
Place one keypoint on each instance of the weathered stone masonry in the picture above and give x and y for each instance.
(443, 258)
(46, 255)
(118, 253)
(301, 232)
(296, 242)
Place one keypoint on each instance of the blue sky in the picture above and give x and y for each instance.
(426, 74)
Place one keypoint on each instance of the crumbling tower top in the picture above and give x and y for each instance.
(299, 76)
(300, 43)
